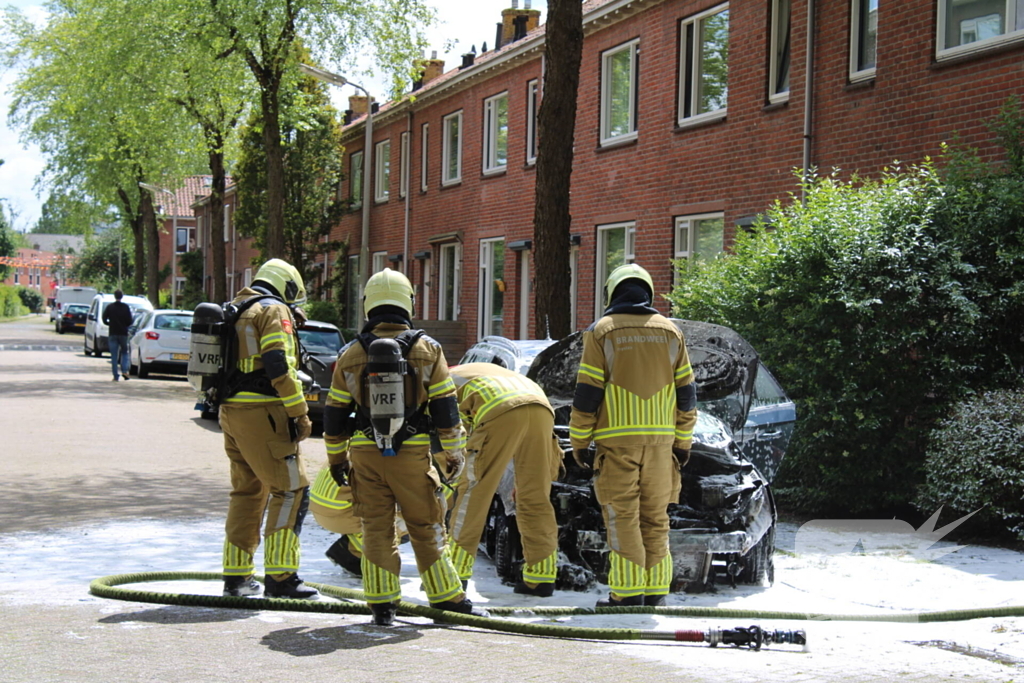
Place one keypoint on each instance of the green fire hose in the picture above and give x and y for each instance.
(111, 587)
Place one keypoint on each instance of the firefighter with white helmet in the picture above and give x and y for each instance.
(263, 417)
(635, 399)
(386, 383)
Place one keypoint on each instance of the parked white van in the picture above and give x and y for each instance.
(96, 332)
(71, 295)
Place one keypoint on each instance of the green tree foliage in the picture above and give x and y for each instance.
(97, 266)
(31, 299)
(859, 307)
(311, 139)
(267, 36)
(8, 245)
(191, 265)
(93, 118)
(64, 214)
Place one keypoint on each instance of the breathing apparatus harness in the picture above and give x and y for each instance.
(383, 417)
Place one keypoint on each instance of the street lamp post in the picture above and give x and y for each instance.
(174, 247)
(335, 79)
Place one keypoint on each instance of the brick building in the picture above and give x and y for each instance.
(692, 116)
(239, 252)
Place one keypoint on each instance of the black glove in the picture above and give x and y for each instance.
(682, 456)
(584, 457)
(340, 472)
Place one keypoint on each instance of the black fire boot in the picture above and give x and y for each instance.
(292, 587)
(631, 601)
(241, 586)
(464, 606)
(541, 590)
(340, 554)
(383, 613)
(654, 601)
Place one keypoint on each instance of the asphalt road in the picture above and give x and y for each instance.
(80, 450)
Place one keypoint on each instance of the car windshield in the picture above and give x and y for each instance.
(174, 321)
(321, 341)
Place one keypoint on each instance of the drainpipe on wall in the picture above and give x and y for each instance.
(808, 98)
(407, 153)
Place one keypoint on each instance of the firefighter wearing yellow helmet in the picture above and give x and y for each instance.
(263, 417)
(385, 385)
(635, 400)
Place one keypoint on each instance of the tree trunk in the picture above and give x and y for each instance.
(139, 236)
(217, 187)
(152, 257)
(275, 247)
(556, 127)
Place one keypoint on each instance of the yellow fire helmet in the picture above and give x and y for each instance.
(630, 271)
(388, 288)
(285, 278)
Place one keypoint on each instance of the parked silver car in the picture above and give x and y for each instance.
(159, 342)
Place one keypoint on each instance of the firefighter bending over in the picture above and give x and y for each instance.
(636, 400)
(392, 377)
(263, 416)
(510, 421)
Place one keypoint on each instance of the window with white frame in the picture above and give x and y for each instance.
(425, 128)
(531, 122)
(247, 277)
(574, 268)
(451, 155)
(973, 25)
(355, 183)
(778, 67)
(449, 275)
(704, 65)
(496, 133)
(863, 37)
(403, 180)
(382, 171)
(227, 222)
(426, 266)
(700, 237)
(524, 294)
(353, 293)
(615, 244)
(380, 261)
(492, 287)
(619, 92)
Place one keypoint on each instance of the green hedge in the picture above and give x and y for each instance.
(10, 302)
(976, 460)
(31, 299)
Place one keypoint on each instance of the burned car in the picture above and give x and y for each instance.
(722, 529)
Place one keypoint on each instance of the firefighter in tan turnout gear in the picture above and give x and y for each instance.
(393, 377)
(263, 416)
(636, 401)
(510, 421)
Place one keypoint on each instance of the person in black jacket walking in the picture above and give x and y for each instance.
(118, 316)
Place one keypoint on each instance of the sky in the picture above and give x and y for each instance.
(466, 23)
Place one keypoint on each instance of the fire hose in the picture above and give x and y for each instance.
(753, 637)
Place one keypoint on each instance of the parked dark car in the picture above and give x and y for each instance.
(722, 529)
(321, 343)
(71, 318)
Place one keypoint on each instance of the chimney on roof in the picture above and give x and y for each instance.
(516, 23)
(429, 69)
(357, 104)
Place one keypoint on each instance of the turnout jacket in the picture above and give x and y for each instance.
(265, 334)
(634, 384)
(432, 389)
(486, 390)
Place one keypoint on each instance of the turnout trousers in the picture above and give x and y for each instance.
(381, 485)
(267, 476)
(524, 437)
(634, 486)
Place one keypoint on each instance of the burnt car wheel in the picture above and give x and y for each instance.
(759, 563)
(508, 548)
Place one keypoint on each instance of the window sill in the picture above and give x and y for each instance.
(381, 200)
(967, 55)
(450, 184)
(862, 84)
(700, 123)
(618, 144)
(494, 172)
(774, 106)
